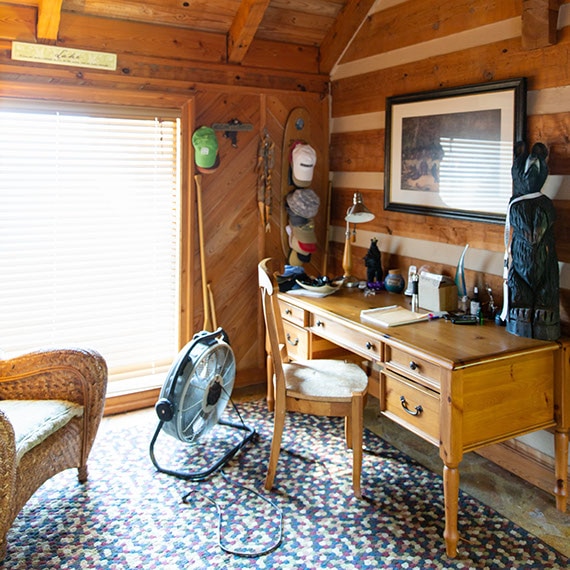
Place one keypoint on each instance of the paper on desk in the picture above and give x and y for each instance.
(392, 316)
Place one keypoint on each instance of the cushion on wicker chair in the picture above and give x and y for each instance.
(35, 420)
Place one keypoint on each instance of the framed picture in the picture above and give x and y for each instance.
(449, 152)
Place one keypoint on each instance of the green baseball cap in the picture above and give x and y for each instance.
(205, 148)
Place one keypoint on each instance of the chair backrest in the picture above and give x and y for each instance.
(273, 324)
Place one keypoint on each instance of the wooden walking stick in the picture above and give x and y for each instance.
(212, 308)
(205, 295)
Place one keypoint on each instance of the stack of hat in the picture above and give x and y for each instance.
(302, 204)
(303, 160)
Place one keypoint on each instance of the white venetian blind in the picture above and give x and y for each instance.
(89, 237)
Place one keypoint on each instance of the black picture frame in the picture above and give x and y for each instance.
(449, 152)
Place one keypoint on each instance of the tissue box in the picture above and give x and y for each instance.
(437, 292)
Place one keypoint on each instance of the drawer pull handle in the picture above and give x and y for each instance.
(288, 312)
(369, 345)
(292, 342)
(418, 409)
(413, 365)
(320, 324)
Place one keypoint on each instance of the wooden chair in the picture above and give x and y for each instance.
(319, 387)
(51, 404)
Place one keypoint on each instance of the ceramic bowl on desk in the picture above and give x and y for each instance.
(319, 290)
(394, 282)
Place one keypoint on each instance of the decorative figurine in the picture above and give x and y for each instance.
(373, 262)
(531, 304)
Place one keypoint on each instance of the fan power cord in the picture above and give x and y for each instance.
(244, 554)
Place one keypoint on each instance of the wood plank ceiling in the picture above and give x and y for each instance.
(318, 28)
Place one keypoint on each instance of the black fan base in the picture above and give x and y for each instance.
(249, 434)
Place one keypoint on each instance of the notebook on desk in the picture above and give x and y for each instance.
(392, 316)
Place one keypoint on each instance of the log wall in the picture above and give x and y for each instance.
(408, 47)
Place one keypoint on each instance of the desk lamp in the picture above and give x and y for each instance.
(358, 213)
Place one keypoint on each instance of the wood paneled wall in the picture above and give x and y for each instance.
(411, 47)
(156, 71)
(235, 238)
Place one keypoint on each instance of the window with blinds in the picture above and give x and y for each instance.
(89, 234)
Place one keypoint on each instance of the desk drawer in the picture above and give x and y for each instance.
(297, 340)
(412, 367)
(355, 341)
(293, 314)
(411, 405)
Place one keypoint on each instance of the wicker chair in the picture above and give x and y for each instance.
(73, 379)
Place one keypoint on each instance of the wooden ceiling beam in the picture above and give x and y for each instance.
(539, 21)
(49, 16)
(347, 23)
(244, 27)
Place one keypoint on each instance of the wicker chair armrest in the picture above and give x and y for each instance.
(7, 468)
(53, 374)
(73, 374)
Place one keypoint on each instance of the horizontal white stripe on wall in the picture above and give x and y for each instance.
(468, 39)
(563, 16)
(360, 180)
(542, 102)
(480, 260)
(556, 187)
(548, 101)
(384, 4)
(362, 122)
(428, 251)
(482, 35)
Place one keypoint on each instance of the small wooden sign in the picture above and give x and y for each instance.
(41, 53)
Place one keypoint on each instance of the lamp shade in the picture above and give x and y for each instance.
(358, 213)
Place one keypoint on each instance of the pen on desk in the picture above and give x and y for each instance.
(432, 317)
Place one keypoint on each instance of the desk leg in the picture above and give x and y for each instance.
(561, 469)
(451, 499)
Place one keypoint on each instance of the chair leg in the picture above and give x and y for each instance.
(348, 431)
(357, 429)
(278, 424)
(270, 388)
(82, 474)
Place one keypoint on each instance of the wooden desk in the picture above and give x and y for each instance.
(460, 387)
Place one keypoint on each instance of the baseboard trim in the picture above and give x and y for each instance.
(118, 404)
(129, 401)
(523, 461)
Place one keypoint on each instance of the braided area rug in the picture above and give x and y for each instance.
(130, 516)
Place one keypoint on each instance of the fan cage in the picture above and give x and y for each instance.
(202, 391)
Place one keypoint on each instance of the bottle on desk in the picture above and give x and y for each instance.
(415, 292)
(475, 305)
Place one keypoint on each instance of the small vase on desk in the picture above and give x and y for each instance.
(394, 282)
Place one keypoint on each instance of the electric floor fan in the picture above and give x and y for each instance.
(194, 396)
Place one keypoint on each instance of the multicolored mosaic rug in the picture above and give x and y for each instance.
(129, 516)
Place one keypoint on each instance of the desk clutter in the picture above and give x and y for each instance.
(422, 296)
